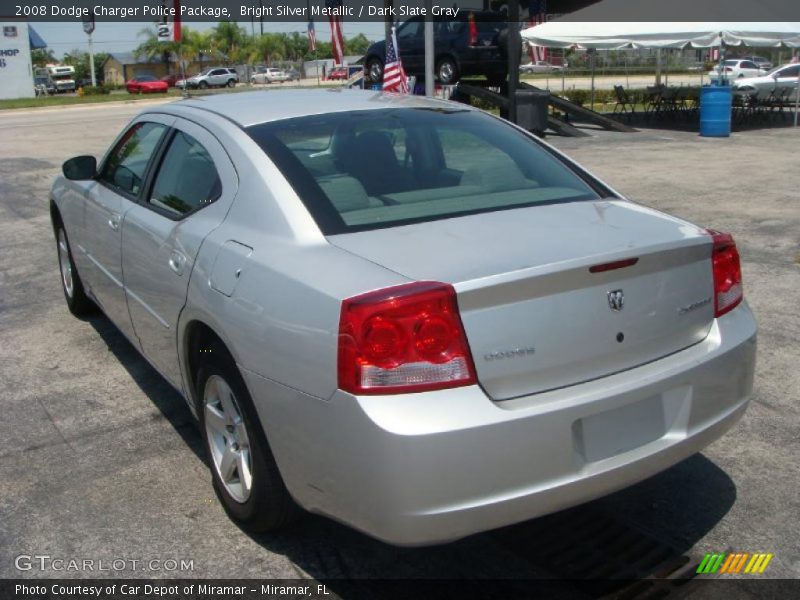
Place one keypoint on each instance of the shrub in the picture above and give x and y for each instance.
(96, 90)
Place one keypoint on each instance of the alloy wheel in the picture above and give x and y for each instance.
(228, 440)
(447, 72)
(65, 264)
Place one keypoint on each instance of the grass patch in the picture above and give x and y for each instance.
(70, 100)
(123, 96)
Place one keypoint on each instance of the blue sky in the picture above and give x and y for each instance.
(123, 37)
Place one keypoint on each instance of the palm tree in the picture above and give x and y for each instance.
(268, 48)
(153, 49)
(197, 45)
(230, 39)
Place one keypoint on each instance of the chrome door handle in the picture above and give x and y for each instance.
(176, 262)
(113, 222)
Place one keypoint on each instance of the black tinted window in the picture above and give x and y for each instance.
(187, 178)
(411, 29)
(378, 168)
(126, 165)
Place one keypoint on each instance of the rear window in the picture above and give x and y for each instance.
(364, 170)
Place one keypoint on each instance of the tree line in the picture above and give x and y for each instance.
(229, 44)
(226, 44)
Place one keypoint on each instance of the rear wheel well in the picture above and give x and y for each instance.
(202, 344)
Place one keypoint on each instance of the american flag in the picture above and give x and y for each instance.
(394, 76)
(312, 36)
(537, 14)
(337, 39)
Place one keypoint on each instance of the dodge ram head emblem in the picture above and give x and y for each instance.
(616, 300)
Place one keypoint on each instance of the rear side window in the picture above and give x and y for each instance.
(412, 29)
(125, 167)
(363, 170)
(187, 179)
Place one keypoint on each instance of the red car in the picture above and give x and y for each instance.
(338, 73)
(146, 84)
(171, 79)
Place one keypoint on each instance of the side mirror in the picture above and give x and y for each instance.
(80, 168)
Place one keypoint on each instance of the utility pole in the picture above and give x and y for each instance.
(514, 51)
(429, 51)
(388, 21)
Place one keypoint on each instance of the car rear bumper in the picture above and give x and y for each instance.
(431, 467)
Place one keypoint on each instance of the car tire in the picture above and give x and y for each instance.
(78, 302)
(373, 72)
(252, 81)
(203, 85)
(233, 434)
(231, 83)
(447, 71)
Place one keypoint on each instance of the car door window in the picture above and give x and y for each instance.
(790, 72)
(187, 179)
(410, 30)
(126, 165)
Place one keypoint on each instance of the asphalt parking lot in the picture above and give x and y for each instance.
(99, 458)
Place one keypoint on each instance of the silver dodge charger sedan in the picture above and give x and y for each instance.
(403, 313)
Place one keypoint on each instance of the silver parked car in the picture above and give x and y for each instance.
(219, 77)
(781, 80)
(403, 313)
(540, 66)
(736, 69)
(269, 75)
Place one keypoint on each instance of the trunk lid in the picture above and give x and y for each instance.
(535, 317)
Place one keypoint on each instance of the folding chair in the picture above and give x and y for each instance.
(653, 102)
(624, 103)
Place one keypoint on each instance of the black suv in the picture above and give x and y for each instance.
(472, 44)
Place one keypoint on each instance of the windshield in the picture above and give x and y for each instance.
(363, 170)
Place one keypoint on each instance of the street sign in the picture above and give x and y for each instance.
(164, 32)
(88, 24)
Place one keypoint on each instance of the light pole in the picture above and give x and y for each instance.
(88, 28)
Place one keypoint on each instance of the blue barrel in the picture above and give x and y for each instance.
(715, 110)
(377, 87)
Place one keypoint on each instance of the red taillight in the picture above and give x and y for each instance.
(473, 30)
(728, 291)
(407, 338)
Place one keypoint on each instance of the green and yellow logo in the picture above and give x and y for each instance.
(732, 563)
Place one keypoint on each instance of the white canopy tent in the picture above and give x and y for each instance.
(572, 31)
(614, 35)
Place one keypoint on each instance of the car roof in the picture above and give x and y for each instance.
(251, 108)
